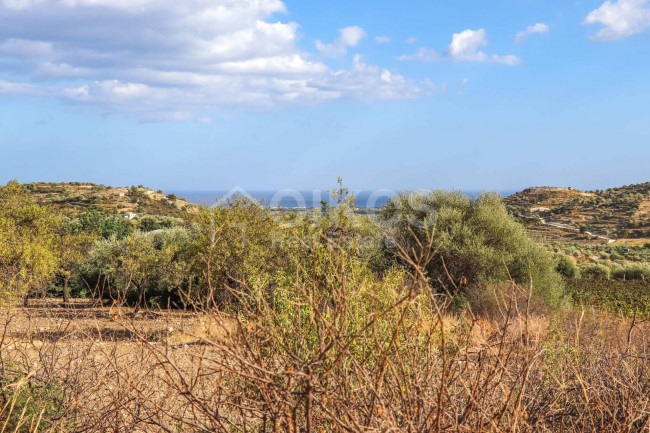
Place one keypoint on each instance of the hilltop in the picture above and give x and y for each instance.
(550, 214)
(76, 198)
(553, 214)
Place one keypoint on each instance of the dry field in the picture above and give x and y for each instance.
(110, 370)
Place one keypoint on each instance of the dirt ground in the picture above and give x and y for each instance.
(48, 320)
(114, 368)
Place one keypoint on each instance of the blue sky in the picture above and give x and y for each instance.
(270, 94)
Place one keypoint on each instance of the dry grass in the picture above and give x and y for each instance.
(173, 371)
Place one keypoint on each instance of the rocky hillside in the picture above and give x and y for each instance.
(76, 198)
(566, 215)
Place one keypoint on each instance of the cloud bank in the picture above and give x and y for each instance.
(169, 59)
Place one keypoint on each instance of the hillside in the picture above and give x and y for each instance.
(554, 214)
(76, 198)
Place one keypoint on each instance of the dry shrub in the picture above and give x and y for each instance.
(336, 349)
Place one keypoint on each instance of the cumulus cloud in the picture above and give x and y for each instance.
(531, 30)
(382, 39)
(465, 47)
(348, 37)
(411, 40)
(165, 59)
(620, 19)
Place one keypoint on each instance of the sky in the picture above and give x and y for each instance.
(271, 94)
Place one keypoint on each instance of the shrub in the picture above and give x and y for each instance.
(153, 222)
(476, 241)
(632, 272)
(616, 256)
(105, 226)
(566, 267)
(595, 271)
(26, 405)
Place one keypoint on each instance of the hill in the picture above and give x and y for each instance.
(565, 215)
(76, 198)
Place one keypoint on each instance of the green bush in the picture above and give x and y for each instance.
(595, 271)
(105, 226)
(476, 241)
(616, 256)
(566, 267)
(632, 272)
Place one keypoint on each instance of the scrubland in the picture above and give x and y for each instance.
(440, 314)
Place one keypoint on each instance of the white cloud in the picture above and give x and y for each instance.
(466, 43)
(620, 19)
(411, 40)
(386, 84)
(530, 30)
(422, 55)
(348, 37)
(382, 39)
(465, 47)
(165, 59)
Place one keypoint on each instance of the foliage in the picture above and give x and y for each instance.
(150, 223)
(566, 267)
(475, 241)
(72, 247)
(105, 226)
(632, 272)
(232, 244)
(133, 268)
(595, 271)
(621, 297)
(27, 405)
(28, 250)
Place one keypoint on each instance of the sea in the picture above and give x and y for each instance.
(294, 199)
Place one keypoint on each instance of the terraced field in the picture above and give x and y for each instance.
(76, 198)
(555, 214)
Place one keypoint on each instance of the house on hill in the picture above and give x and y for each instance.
(130, 215)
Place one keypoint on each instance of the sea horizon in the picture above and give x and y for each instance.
(301, 199)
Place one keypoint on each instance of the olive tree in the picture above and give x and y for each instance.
(28, 249)
(476, 242)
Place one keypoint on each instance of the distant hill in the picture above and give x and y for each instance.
(77, 198)
(554, 214)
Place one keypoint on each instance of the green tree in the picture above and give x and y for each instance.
(128, 264)
(232, 245)
(72, 246)
(28, 248)
(476, 242)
